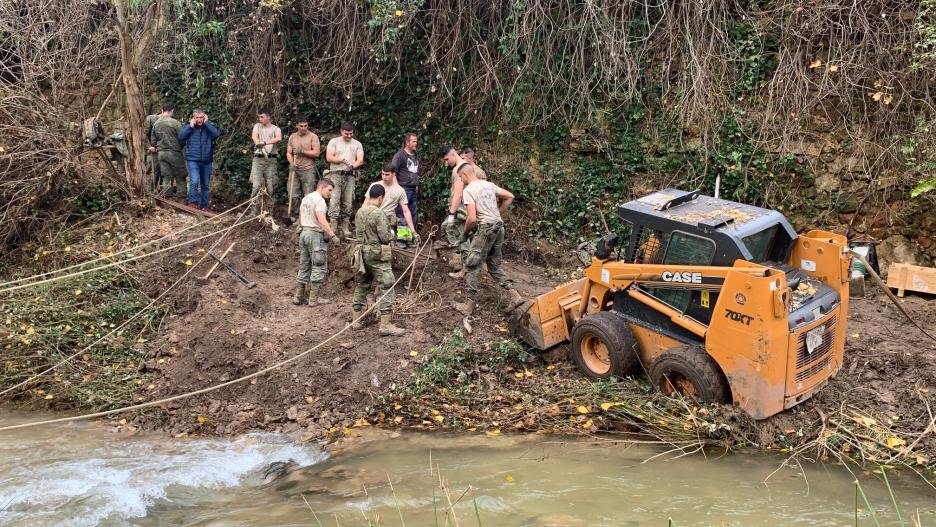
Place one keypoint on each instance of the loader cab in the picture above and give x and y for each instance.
(686, 228)
(682, 229)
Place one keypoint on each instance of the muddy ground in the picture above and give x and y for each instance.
(219, 330)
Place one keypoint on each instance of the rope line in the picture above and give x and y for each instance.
(231, 382)
(120, 262)
(116, 254)
(138, 313)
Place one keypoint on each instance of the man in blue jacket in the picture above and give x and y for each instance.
(198, 137)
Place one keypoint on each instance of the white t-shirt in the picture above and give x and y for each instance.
(266, 134)
(483, 195)
(313, 202)
(394, 195)
(347, 150)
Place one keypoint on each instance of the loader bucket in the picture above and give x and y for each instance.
(547, 319)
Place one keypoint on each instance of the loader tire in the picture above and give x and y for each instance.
(603, 346)
(690, 372)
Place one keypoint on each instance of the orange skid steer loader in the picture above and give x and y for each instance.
(715, 300)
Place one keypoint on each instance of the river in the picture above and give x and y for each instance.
(85, 474)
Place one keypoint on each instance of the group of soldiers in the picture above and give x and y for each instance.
(474, 227)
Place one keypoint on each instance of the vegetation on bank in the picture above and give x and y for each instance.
(498, 387)
(93, 315)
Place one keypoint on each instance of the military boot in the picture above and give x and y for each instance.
(465, 308)
(315, 298)
(514, 300)
(357, 321)
(456, 263)
(299, 294)
(387, 329)
(458, 266)
(345, 228)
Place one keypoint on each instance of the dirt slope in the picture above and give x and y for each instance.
(221, 330)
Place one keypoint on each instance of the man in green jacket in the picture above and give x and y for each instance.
(165, 134)
(371, 261)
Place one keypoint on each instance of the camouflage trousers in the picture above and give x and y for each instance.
(313, 256)
(263, 173)
(172, 169)
(303, 184)
(342, 198)
(455, 233)
(151, 166)
(375, 269)
(486, 247)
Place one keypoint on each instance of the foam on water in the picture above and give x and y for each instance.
(113, 482)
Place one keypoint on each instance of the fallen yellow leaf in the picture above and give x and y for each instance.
(815, 64)
(606, 406)
(398, 419)
(508, 477)
(439, 418)
(201, 419)
(893, 442)
(50, 396)
(397, 407)
(188, 262)
(122, 422)
(413, 354)
(495, 432)
(833, 68)
(583, 409)
(587, 424)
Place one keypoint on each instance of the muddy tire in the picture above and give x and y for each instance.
(690, 372)
(603, 346)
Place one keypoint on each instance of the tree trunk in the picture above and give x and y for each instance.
(135, 39)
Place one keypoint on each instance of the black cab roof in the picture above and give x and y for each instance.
(739, 231)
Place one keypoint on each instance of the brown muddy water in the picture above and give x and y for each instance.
(84, 474)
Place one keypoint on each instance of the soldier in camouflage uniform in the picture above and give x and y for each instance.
(165, 134)
(149, 141)
(314, 235)
(485, 227)
(371, 261)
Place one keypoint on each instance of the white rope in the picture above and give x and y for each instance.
(120, 262)
(138, 313)
(228, 383)
(135, 248)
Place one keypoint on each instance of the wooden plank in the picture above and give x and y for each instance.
(184, 208)
(905, 277)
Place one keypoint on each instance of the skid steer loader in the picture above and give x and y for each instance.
(715, 300)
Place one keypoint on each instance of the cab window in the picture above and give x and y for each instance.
(760, 243)
(687, 249)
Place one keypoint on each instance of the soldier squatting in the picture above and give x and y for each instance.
(473, 228)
